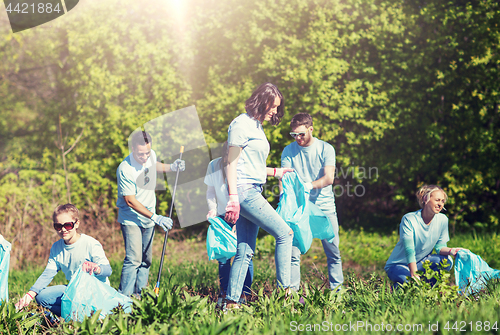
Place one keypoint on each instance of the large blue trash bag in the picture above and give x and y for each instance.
(472, 273)
(221, 242)
(305, 218)
(4, 269)
(86, 294)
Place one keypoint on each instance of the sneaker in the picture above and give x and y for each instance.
(220, 302)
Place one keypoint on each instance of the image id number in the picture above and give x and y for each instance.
(24, 8)
(478, 326)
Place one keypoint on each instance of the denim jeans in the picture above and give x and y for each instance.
(225, 270)
(256, 212)
(333, 260)
(398, 273)
(138, 256)
(50, 298)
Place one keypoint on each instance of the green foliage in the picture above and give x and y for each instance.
(441, 291)
(14, 322)
(408, 88)
(188, 291)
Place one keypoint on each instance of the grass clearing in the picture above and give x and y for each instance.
(189, 288)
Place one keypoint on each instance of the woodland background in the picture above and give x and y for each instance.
(410, 88)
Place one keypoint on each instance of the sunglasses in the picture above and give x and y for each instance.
(294, 135)
(146, 178)
(66, 225)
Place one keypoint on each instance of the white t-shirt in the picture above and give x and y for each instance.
(68, 258)
(309, 164)
(247, 133)
(424, 237)
(215, 179)
(139, 180)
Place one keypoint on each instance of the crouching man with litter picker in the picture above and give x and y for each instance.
(136, 204)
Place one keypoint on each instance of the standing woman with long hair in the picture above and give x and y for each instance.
(246, 173)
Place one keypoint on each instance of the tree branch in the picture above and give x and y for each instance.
(77, 140)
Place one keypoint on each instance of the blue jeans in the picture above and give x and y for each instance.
(398, 273)
(225, 270)
(50, 298)
(333, 260)
(256, 212)
(138, 256)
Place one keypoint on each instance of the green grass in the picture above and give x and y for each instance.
(189, 287)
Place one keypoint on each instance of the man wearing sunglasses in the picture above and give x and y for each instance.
(314, 162)
(136, 204)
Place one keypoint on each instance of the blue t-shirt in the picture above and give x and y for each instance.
(139, 180)
(247, 133)
(421, 236)
(69, 257)
(309, 164)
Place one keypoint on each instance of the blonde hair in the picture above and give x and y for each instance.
(424, 194)
(67, 208)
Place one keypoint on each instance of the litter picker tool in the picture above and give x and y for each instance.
(157, 287)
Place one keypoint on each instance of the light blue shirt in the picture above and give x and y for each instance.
(69, 257)
(140, 180)
(309, 164)
(414, 232)
(247, 133)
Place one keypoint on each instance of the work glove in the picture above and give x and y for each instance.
(281, 171)
(91, 268)
(211, 214)
(163, 221)
(232, 211)
(179, 164)
(24, 301)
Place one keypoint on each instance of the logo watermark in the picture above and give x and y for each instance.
(365, 326)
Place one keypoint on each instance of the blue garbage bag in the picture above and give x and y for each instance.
(321, 227)
(85, 294)
(221, 242)
(472, 273)
(305, 218)
(4, 269)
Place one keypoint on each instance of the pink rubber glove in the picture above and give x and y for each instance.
(91, 268)
(232, 211)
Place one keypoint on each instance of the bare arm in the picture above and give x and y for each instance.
(133, 203)
(445, 251)
(327, 179)
(233, 157)
(161, 167)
